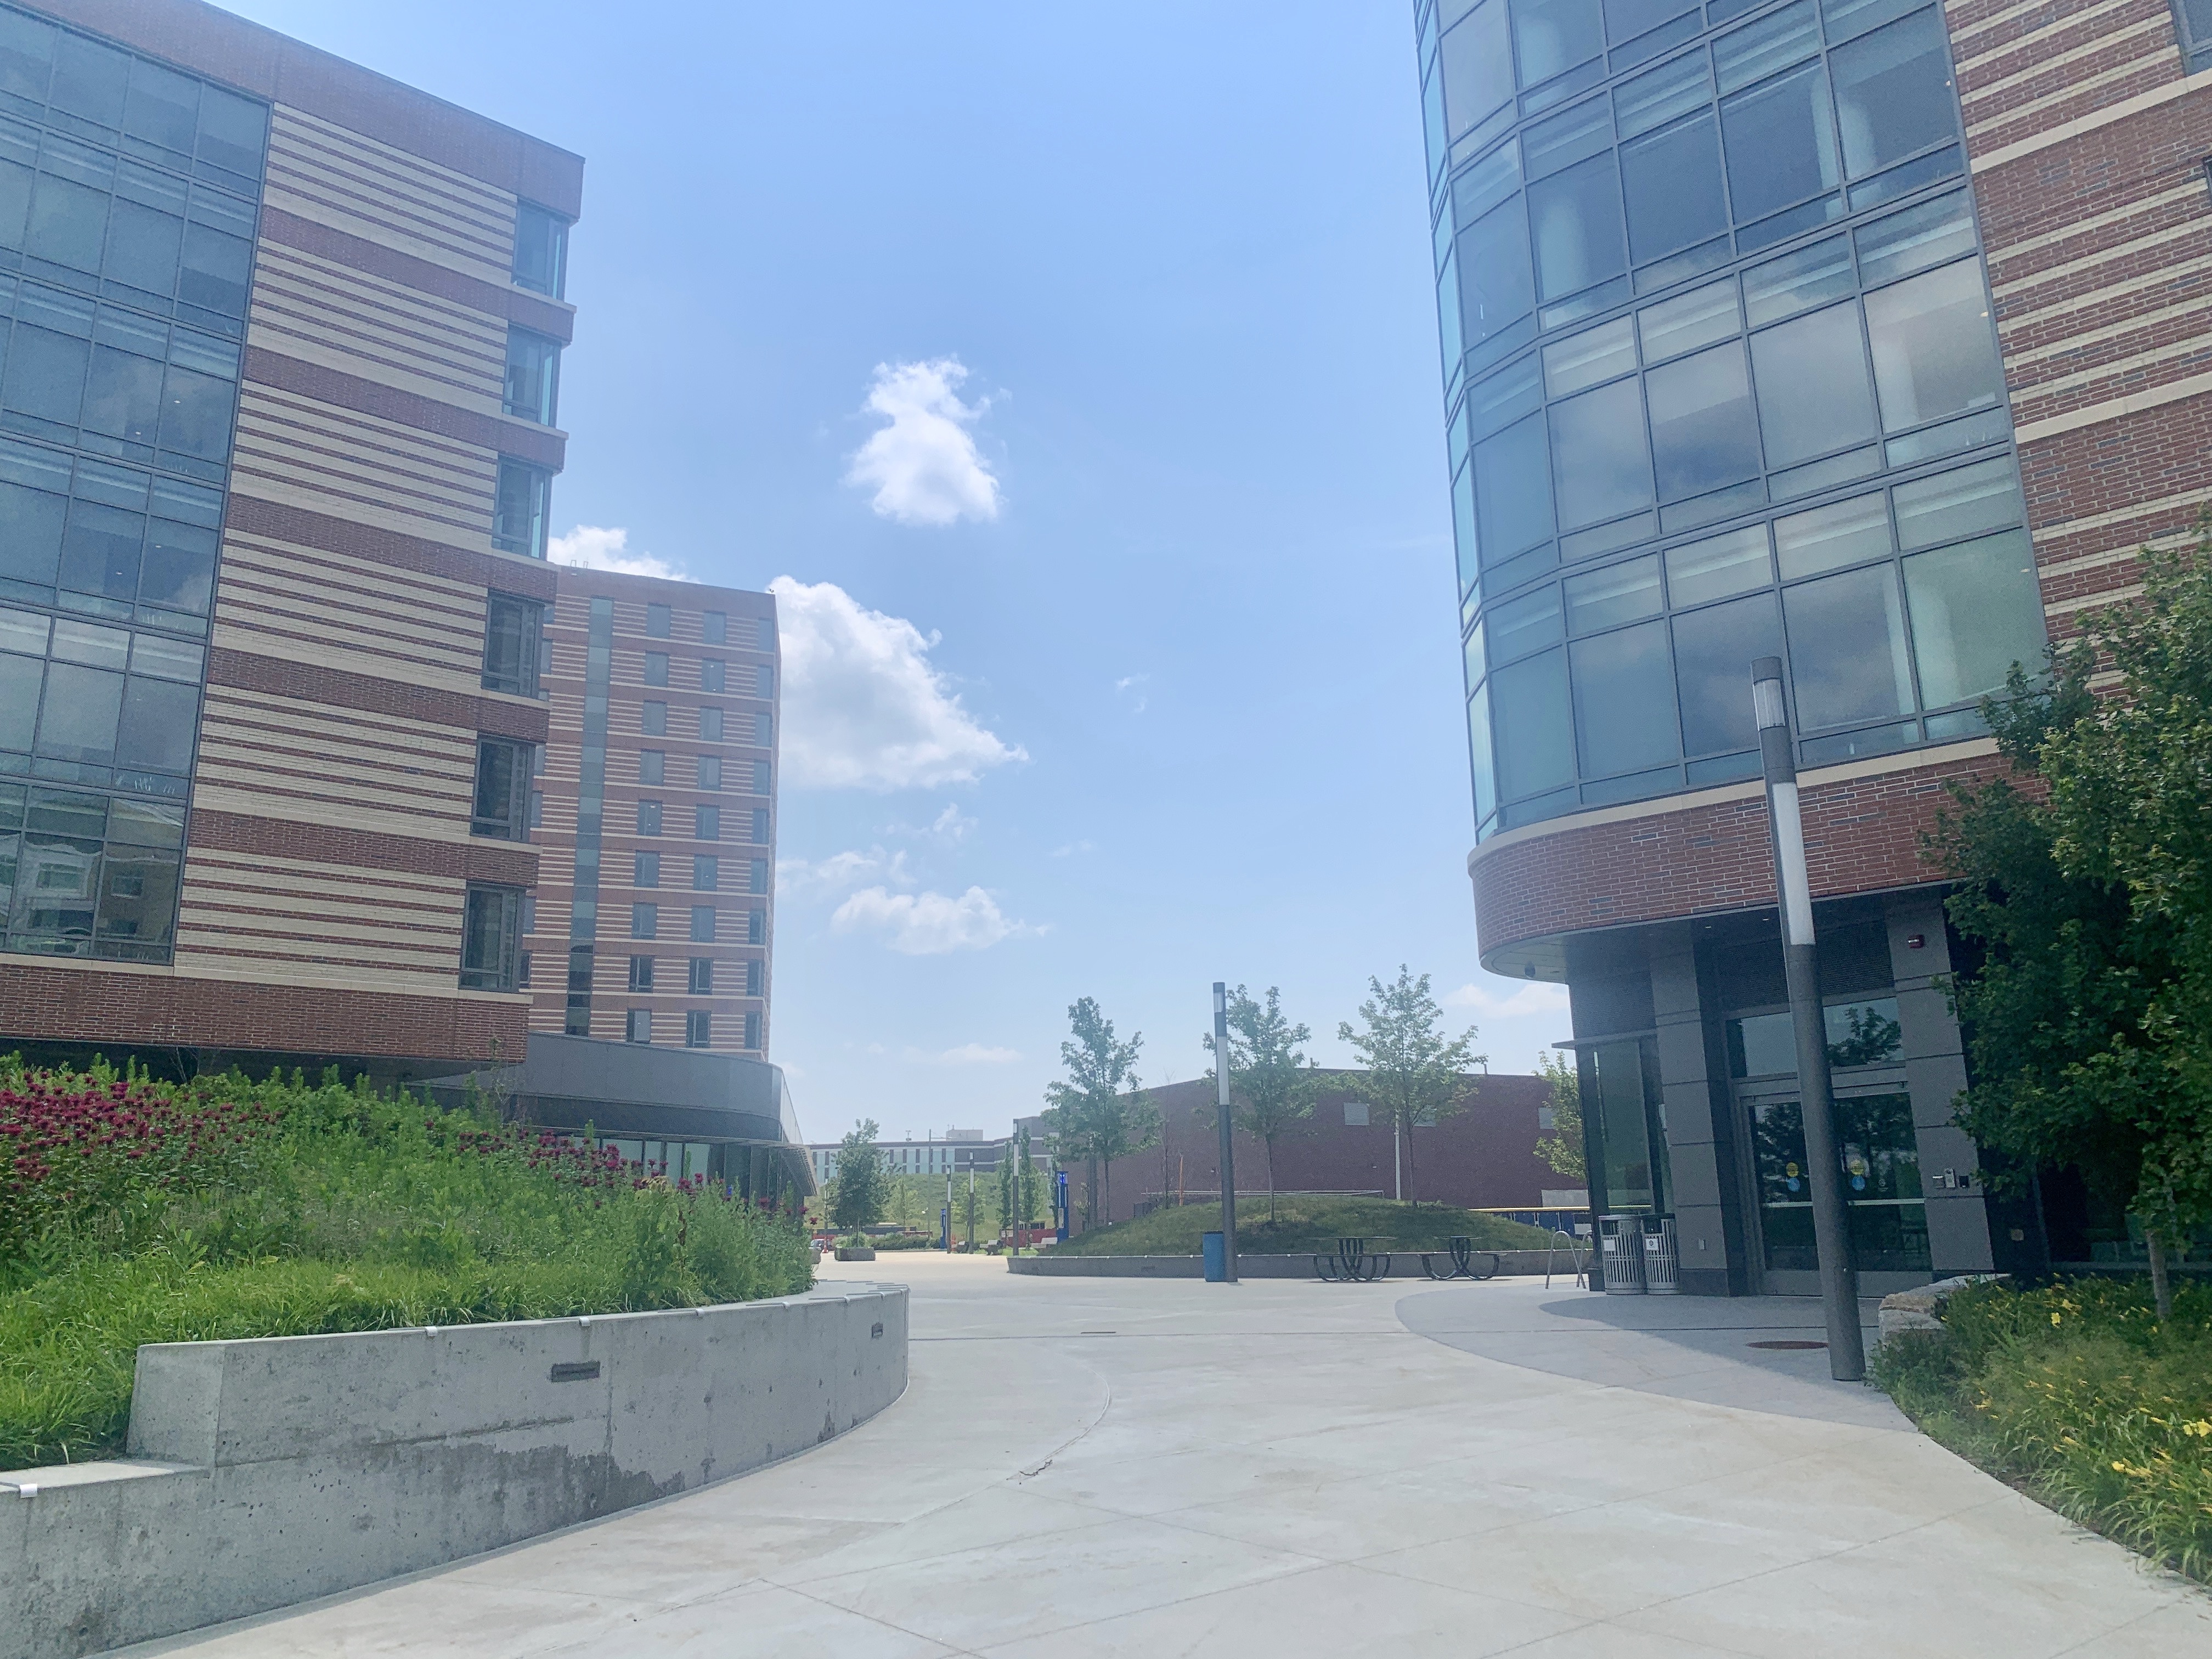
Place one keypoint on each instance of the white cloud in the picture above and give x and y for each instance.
(863, 706)
(952, 824)
(595, 547)
(1072, 847)
(968, 1054)
(1131, 686)
(928, 924)
(801, 878)
(924, 466)
(1534, 997)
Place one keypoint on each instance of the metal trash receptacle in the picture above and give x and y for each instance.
(1620, 1247)
(1662, 1259)
(1214, 1247)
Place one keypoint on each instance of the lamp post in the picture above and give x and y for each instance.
(1824, 1166)
(1228, 1149)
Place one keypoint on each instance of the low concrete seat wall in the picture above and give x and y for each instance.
(267, 1472)
(1403, 1265)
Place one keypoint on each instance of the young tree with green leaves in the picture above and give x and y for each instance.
(1101, 1112)
(2087, 880)
(1026, 1183)
(1271, 1084)
(1415, 1073)
(1563, 1148)
(861, 1187)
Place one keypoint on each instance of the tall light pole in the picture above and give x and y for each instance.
(1800, 961)
(1228, 1148)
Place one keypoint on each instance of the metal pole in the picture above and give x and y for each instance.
(1824, 1165)
(1228, 1150)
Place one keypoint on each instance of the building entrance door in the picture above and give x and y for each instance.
(1882, 1196)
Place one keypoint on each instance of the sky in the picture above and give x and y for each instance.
(1070, 373)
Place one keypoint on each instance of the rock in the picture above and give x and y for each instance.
(1919, 1311)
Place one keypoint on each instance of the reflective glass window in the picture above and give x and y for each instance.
(1976, 610)
(1624, 684)
(1534, 732)
(1624, 20)
(1704, 431)
(1552, 36)
(1496, 284)
(1464, 541)
(520, 505)
(1478, 66)
(1714, 649)
(1732, 562)
(159, 719)
(1600, 463)
(1798, 280)
(1847, 648)
(1513, 508)
(1758, 50)
(1960, 502)
(1657, 96)
(1829, 537)
(533, 371)
(1618, 593)
(1563, 139)
(1575, 216)
(1590, 358)
(20, 679)
(1522, 625)
(1814, 391)
(1934, 352)
(541, 249)
(1893, 93)
(1781, 143)
(78, 716)
(1696, 319)
(1673, 181)
(1927, 235)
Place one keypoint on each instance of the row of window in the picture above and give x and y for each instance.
(708, 771)
(753, 679)
(698, 1028)
(699, 977)
(707, 821)
(103, 540)
(706, 867)
(645, 916)
(84, 703)
(85, 875)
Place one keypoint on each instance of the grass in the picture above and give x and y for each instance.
(1305, 1224)
(133, 1212)
(2079, 1396)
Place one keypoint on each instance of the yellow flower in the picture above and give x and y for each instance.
(2054, 1319)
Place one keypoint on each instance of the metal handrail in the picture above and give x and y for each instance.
(1574, 1254)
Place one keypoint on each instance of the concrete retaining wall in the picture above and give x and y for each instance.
(267, 1472)
(1402, 1266)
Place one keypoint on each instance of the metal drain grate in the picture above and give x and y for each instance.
(1792, 1345)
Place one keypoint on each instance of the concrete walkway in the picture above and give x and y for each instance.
(1089, 1467)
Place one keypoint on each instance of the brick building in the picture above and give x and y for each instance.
(1867, 333)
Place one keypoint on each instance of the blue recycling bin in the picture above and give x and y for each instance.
(1215, 1248)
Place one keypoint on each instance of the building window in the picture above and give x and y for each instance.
(710, 771)
(703, 924)
(711, 674)
(767, 630)
(538, 809)
(758, 870)
(766, 682)
(753, 1030)
(541, 250)
(640, 973)
(513, 627)
(648, 818)
(755, 970)
(701, 983)
(529, 914)
(656, 668)
(638, 1026)
(521, 501)
(653, 719)
(645, 922)
(755, 926)
(706, 872)
(760, 777)
(652, 766)
(706, 823)
(522, 972)
(714, 627)
(658, 618)
(764, 729)
(760, 826)
(502, 805)
(2193, 24)
(491, 938)
(646, 872)
(698, 1028)
(710, 725)
(534, 375)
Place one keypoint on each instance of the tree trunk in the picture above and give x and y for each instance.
(1269, 1142)
(1413, 1185)
(2161, 1286)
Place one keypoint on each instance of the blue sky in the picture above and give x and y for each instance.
(1174, 693)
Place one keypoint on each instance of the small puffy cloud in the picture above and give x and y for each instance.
(1131, 686)
(968, 1054)
(863, 706)
(803, 877)
(928, 924)
(1529, 997)
(597, 547)
(923, 465)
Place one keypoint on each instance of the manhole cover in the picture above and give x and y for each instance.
(1789, 1345)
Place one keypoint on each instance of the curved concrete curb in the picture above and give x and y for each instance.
(1403, 1265)
(271, 1471)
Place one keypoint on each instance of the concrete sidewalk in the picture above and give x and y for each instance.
(1091, 1467)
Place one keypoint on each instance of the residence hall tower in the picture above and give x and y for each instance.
(1865, 333)
(276, 426)
(656, 798)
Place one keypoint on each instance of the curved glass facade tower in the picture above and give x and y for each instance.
(1722, 381)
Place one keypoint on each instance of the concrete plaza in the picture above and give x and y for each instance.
(1091, 1467)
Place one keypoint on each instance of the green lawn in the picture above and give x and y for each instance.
(1305, 1224)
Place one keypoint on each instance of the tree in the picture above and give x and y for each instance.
(1025, 1183)
(1271, 1085)
(1101, 1113)
(2087, 881)
(1563, 1148)
(1414, 1072)
(861, 1187)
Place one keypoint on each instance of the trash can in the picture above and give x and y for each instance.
(1214, 1247)
(1620, 1247)
(1663, 1260)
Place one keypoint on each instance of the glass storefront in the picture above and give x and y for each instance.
(1881, 1184)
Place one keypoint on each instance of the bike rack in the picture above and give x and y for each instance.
(1574, 1254)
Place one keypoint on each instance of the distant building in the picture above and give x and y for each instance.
(955, 1152)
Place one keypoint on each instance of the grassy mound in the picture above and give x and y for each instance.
(1305, 1224)
(2077, 1393)
(133, 1212)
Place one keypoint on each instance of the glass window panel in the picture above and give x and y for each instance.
(1476, 662)
(27, 54)
(81, 706)
(143, 246)
(161, 107)
(1624, 700)
(1478, 66)
(541, 249)
(45, 374)
(1919, 237)
(1524, 624)
(30, 532)
(1600, 463)
(1934, 353)
(1847, 654)
(1567, 137)
(214, 271)
(1586, 359)
(1845, 18)
(1609, 537)
(1576, 216)
(1483, 185)
(1496, 284)
(1814, 393)
(1718, 567)
(89, 79)
(1983, 497)
(1698, 317)
(165, 660)
(1829, 537)
(1781, 143)
(1504, 397)
(159, 720)
(123, 393)
(1618, 593)
(1704, 431)
(1552, 36)
(1714, 649)
(1893, 93)
(518, 509)
(1626, 19)
(68, 223)
(1658, 96)
(1757, 50)
(1532, 729)
(15, 180)
(178, 573)
(1464, 542)
(91, 644)
(1673, 180)
(1809, 276)
(19, 701)
(1450, 336)
(1513, 508)
(233, 131)
(24, 631)
(1976, 610)
(101, 550)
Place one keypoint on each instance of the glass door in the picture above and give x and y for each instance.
(1881, 1184)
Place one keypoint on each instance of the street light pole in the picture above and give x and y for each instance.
(1228, 1148)
(1824, 1165)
